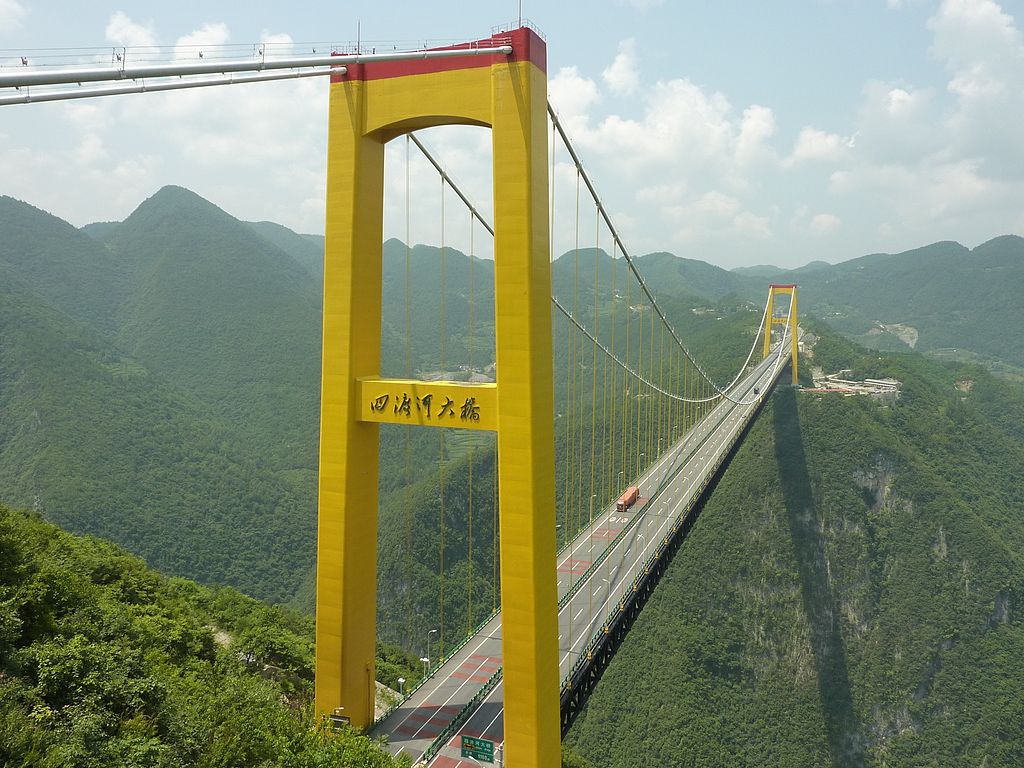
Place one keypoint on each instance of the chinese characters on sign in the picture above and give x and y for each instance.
(403, 404)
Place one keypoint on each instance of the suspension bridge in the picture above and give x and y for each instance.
(643, 429)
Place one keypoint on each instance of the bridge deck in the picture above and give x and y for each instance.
(621, 545)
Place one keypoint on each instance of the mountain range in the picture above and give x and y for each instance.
(159, 383)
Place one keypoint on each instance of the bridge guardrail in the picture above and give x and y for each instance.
(460, 718)
(578, 584)
(585, 655)
(452, 728)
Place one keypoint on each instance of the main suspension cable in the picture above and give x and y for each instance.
(629, 259)
(616, 244)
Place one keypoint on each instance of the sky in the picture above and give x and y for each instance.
(733, 132)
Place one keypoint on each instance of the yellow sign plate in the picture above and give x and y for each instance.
(428, 403)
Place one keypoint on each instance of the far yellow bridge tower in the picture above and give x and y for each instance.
(771, 321)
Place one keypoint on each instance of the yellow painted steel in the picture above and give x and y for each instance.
(347, 521)
(772, 321)
(511, 97)
(428, 403)
(526, 444)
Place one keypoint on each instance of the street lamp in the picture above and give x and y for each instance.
(426, 663)
(401, 686)
(431, 632)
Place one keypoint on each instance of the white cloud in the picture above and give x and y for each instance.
(681, 125)
(12, 13)
(980, 44)
(91, 150)
(223, 142)
(190, 46)
(813, 145)
(121, 30)
(622, 76)
(716, 205)
(898, 123)
(572, 95)
(696, 162)
(983, 50)
(935, 199)
(698, 172)
(752, 226)
(670, 192)
(824, 224)
(757, 126)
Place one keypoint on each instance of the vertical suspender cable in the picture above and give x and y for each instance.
(613, 467)
(441, 439)
(650, 404)
(640, 394)
(593, 394)
(661, 383)
(407, 430)
(472, 450)
(577, 390)
(627, 410)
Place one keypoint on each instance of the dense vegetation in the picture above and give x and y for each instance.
(943, 298)
(850, 595)
(103, 662)
(182, 346)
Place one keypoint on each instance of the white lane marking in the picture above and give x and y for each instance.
(441, 681)
(445, 702)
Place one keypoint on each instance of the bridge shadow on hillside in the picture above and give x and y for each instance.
(820, 605)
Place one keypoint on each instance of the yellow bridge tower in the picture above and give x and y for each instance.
(771, 321)
(370, 104)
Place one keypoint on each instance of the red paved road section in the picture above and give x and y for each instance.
(575, 567)
(443, 761)
(477, 668)
(429, 720)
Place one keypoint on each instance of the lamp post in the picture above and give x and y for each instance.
(426, 663)
(401, 686)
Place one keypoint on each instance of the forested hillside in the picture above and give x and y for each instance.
(129, 413)
(94, 442)
(182, 347)
(850, 595)
(103, 663)
(942, 298)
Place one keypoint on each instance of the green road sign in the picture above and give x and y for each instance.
(478, 749)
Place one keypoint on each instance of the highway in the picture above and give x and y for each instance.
(621, 543)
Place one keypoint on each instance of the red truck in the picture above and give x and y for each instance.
(627, 499)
